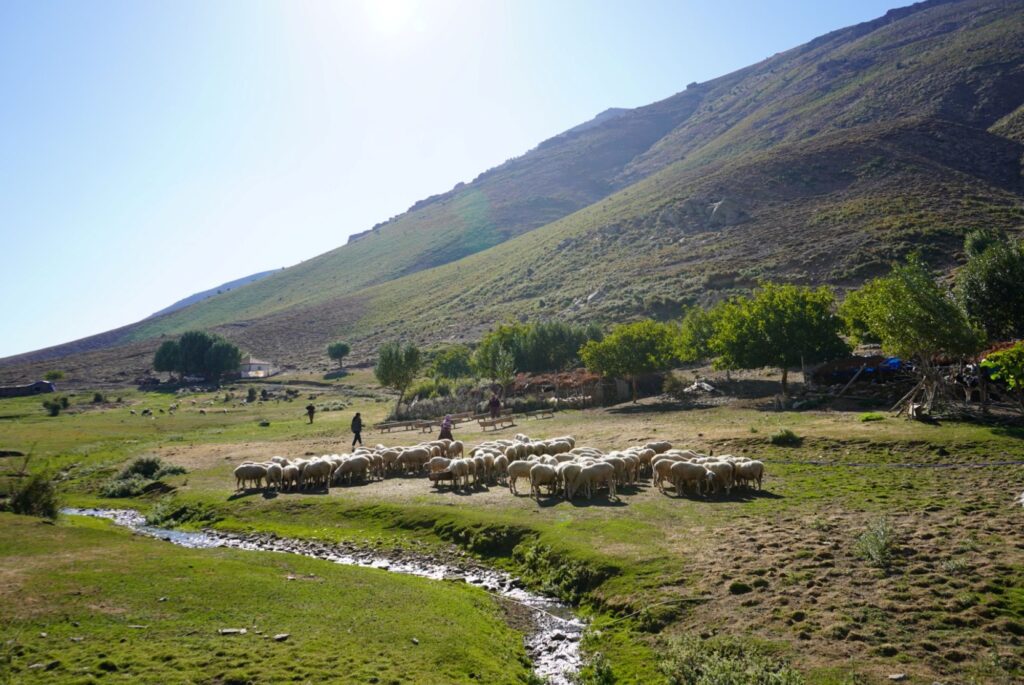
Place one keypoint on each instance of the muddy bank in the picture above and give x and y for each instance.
(553, 632)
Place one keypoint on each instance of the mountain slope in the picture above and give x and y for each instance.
(817, 165)
(207, 294)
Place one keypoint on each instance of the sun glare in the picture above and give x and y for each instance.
(393, 17)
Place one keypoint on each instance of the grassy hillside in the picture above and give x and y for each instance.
(820, 164)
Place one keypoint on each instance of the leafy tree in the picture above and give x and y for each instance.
(1008, 366)
(396, 367)
(193, 346)
(990, 288)
(695, 334)
(168, 357)
(53, 375)
(338, 351)
(914, 319)
(536, 347)
(912, 316)
(222, 357)
(631, 350)
(454, 361)
(779, 325)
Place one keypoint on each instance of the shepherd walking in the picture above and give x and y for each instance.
(357, 430)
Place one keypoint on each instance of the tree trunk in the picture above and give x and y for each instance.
(634, 389)
(785, 379)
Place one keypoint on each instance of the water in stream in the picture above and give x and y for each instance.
(554, 644)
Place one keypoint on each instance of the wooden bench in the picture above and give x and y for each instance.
(387, 427)
(541, 414)
(502, 422)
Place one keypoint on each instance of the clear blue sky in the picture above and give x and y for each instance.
(150, 150)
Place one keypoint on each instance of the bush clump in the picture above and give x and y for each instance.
(597, 672)
(871, 416)
(36, 496)
(879, 544)
(785, 438)
(724, 661)
(137, 475)
(52, 407)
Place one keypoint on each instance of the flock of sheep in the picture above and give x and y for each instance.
(556, 465)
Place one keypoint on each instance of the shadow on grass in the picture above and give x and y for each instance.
(735, 496)
(337, 373)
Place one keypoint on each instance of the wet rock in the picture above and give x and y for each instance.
(558, 636)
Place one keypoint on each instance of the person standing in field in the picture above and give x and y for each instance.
(446, 428)
(357, 429)
(495, 406)
(310, 410)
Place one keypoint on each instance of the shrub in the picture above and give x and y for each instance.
(146, 467)
(724, 661)
(53, 375)
(37, 496)
(738, 587)
(597, 672)
(878, 544)
(251, 395)
(124, 487)
(871, 416)
(98, 398)
(52, 407)
(64, 402)
(785, 438)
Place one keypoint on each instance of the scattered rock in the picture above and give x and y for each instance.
(76, 639)
(43, 635)
(162, 599)
(137, 627)
(415, 641)
(558, 636)
(281, 637)
(898, 676)
(232, 631)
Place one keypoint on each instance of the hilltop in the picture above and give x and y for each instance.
(820, 164)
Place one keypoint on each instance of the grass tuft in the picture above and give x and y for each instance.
(879, 544)
(867, 417)
(786, 438)
(724, 661)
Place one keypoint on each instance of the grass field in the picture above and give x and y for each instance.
(784, 568)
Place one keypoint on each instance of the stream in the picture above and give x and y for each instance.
(553, 645)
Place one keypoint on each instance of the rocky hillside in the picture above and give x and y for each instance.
(818, 165)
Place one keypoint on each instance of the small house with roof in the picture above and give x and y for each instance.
(251, 367)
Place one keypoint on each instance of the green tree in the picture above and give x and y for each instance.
(1008, 366)
(397, 367)
(222, 357)
(695, 334)
(915, 319)
(454, 361)
(193, 346)
(53, 375)
(631, 350)
(168, 357)
(338, 351)
(779, 325)
(990, 288)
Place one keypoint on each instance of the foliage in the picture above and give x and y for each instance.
(98, 398)
(878, 544)
(724, 660)
(338, 351)
(168, 357)
(124, 487)
(53, 375)
(428, 388)
(36, 496)
(696, 333)
(222, 357)
(454, 361)
(977, 241)
(598, 671)
(193, 346)
(779, 325)
(397, 366)
(631, 350)
(137, 474)
(198, 353)
(990, 288)
(535, 347)
(1007, 366)
(911, 315)
(52, 407)
(496, 362)
(867, 417)
(785, 438)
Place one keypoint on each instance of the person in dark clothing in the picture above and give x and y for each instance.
(495, 406)
(310, 410)
(446, 428)
(357, 429)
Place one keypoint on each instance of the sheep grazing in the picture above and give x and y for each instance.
(517, 469)
(542, 474)
(249, 473)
